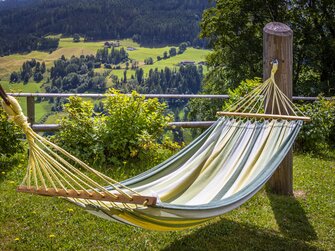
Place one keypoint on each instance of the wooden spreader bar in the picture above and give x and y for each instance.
(264, 116)
(92, 195)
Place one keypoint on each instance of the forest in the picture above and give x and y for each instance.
(149, 23)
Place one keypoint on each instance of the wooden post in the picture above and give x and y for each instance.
(277, 44)
(31, 110)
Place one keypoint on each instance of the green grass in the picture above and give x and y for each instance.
(266, 222)
(142, 53)
(41, 109)
(66, 47)
(20, 87)
(128, 43)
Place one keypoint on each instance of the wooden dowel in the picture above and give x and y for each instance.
(92, 195)
(264, 116)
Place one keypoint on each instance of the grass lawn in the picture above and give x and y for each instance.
(266, 222)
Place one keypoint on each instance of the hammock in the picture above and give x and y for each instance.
(217, 172)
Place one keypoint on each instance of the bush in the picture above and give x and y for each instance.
(205, 109)
(131, 133)
(133, 128)
(316, 135)
(10, 136)
(79, 131)
(242, 90)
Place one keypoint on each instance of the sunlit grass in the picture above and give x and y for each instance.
(266, 222)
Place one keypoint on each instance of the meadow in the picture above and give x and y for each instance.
(266, 222)
(68, 48)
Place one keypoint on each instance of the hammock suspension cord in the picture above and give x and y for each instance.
(53, 171)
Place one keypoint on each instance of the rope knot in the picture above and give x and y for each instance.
(15, 113)
(21, 121)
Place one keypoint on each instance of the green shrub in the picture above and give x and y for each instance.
(10, 136)
(79, 132)
(242, 90)
(316, 135)
(133, 127)
(205, 109)
(131, 132)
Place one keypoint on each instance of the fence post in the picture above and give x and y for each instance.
(278, 44)
(31, 110)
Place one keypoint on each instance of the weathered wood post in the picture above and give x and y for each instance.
(31, 110)
(278, 44)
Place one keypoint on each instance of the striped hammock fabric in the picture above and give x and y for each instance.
(216, 173)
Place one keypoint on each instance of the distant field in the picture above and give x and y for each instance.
(68, 48)
(191, 54)
(40, 108)
(142, 53)
(53, 118)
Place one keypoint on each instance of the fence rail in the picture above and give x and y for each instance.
(30, 97)
(172, 96)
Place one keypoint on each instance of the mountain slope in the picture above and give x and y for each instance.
(149, 22)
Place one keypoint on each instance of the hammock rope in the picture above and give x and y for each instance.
(219, 171)
(258, 100)
(50, 172)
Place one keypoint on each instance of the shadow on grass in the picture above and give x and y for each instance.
(230, 235)
(291, 217)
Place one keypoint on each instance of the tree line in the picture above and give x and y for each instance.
(148, 22)
(183, 80)
(77, 75)
(30, 68)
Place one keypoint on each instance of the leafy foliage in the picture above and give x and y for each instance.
(29, 68)
(242, 90)
(131, 132)
(234, 29)
(132, 128)
(315, 135)
(79, 133)
(202, 109)
(10, 136)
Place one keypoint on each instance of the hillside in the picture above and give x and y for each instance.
(68, 48)
(148, 22)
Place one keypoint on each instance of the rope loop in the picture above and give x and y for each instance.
(15, 114)
(274, 69)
